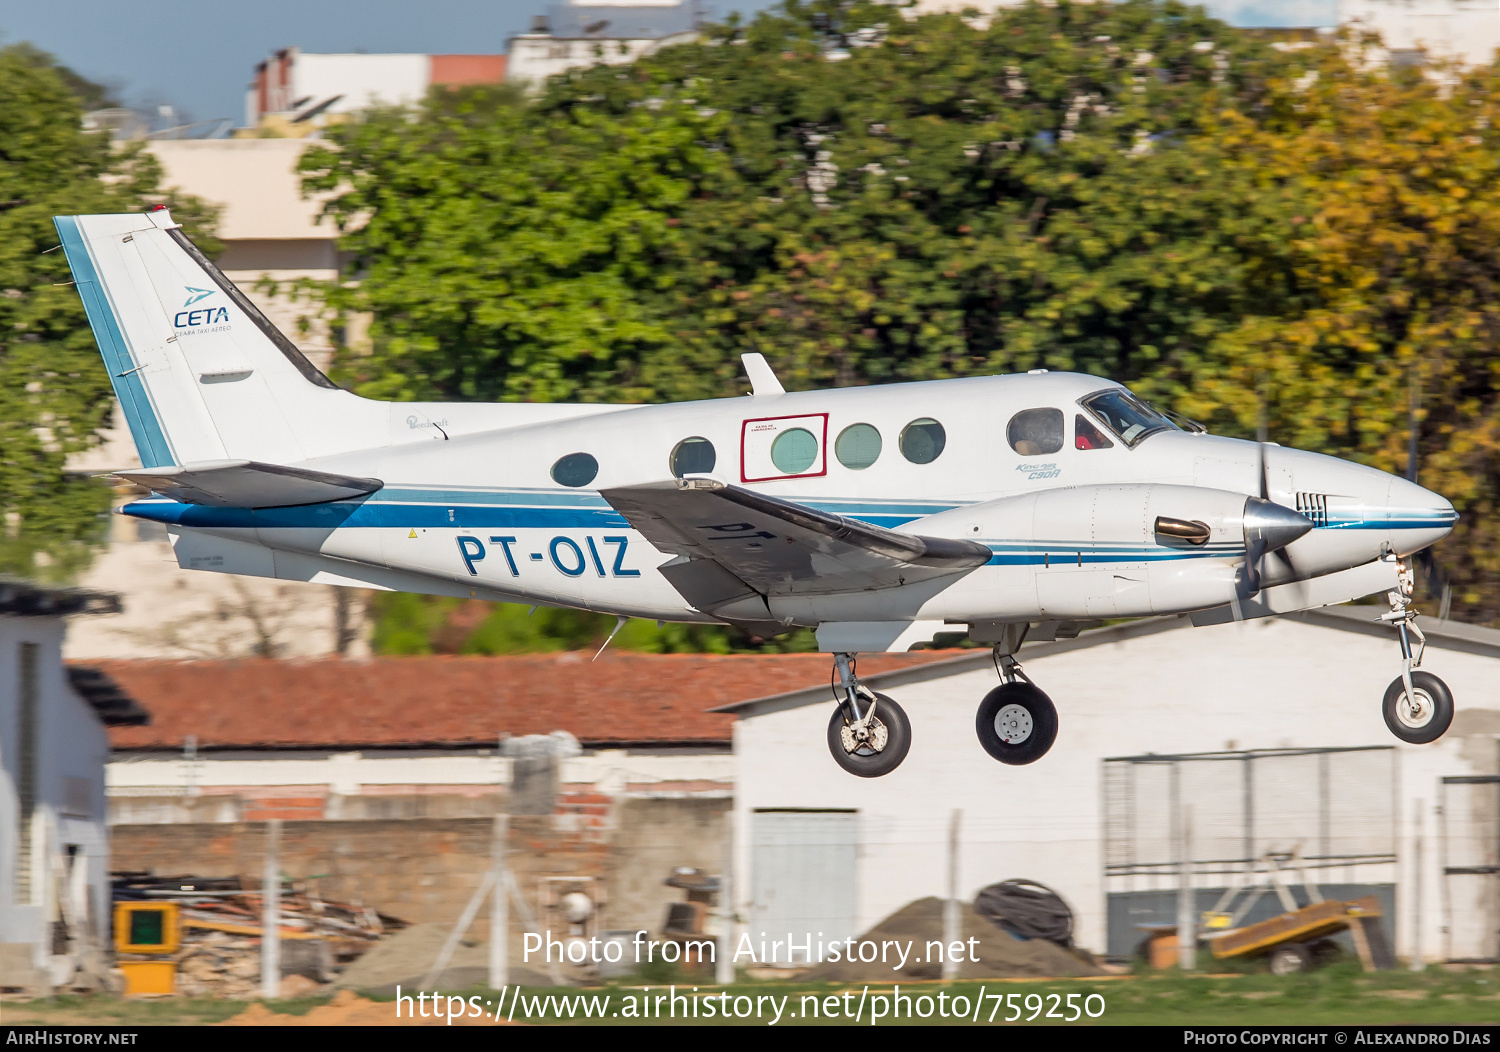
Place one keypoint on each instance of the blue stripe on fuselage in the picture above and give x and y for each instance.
(407, 508)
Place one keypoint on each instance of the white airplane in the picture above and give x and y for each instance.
(1010, 507)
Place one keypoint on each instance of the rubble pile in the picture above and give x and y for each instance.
(221, 931)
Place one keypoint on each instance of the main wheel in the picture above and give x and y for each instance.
(1423, 719)
(1016, 723)
(879, 749)
(1289, 960)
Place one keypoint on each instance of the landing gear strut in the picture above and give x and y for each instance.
(1418, 707)
(868, 734)
(1016, 722)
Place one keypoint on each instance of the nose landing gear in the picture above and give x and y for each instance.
(1016, 722)
(1418, 707)
(868, 734)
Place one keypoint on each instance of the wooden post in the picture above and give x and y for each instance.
(270, 915)
(951, 930)
(499, 908)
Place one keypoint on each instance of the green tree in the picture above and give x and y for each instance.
(54, 394)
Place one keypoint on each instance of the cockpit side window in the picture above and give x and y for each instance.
(1126, 415)
(1087, 436)
(1035, 432)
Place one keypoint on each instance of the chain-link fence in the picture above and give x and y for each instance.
(1217, 820)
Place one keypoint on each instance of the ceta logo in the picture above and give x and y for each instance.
(194, 295)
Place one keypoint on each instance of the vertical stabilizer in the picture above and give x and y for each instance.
(200, 373)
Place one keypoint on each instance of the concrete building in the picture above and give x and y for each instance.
(54, 845)
(294, 93)
(1245, 739)
(570, 36)
(386, 772)
(1416, 30)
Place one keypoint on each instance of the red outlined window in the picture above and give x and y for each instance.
(784, 447)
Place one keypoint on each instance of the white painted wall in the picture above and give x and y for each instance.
(1468, 30)
(1251, 686)
(362, 80)
(534, 58)
(347, 773)
(254, 181)
(71, 743)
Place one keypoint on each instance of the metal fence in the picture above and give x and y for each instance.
(1469, 845)
(1219, 813)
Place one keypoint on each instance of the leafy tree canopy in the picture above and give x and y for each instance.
(1134, 189)
(54, 393)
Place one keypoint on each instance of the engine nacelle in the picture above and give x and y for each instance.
(1111, 550)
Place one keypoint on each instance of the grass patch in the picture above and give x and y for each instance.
(1337, 995)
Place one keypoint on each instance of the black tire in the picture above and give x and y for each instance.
(1019, 702)
(1435, 709)
(869, 759)
(1289, 960)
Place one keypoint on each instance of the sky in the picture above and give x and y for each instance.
(198, 57)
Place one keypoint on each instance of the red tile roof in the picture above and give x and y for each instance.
(622, 698)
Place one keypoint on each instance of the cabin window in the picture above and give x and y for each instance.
(794, 451)
(1087, 436)
(575, 469)
(1035, 432)
(693, 456)
(858, 446)
(922, 440)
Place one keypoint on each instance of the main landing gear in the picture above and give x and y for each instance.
(1016, 722)
(1418, 707)
(869, 734)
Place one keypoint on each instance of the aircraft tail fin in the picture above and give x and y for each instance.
(201, 374)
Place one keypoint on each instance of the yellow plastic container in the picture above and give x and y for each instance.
(149, 977)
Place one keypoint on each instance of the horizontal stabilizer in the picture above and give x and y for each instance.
(248, 484)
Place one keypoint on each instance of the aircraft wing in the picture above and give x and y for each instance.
(737, 546)
(248, 484)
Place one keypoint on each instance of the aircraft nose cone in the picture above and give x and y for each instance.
(1418, 517)
(1271, 526)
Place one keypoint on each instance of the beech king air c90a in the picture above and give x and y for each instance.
(1014, 506)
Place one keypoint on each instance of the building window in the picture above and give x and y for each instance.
(26, 761)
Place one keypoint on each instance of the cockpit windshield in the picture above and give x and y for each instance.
(1126, 415)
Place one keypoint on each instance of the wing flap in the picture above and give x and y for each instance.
(778, 547)
(248, 484)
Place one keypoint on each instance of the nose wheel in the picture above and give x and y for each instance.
(868, 733)
(1418, 707)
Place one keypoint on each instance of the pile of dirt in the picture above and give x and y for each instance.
(403, 960)
(348, 1009)
(1000, 955)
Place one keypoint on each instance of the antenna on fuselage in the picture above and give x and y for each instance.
(763, 382)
